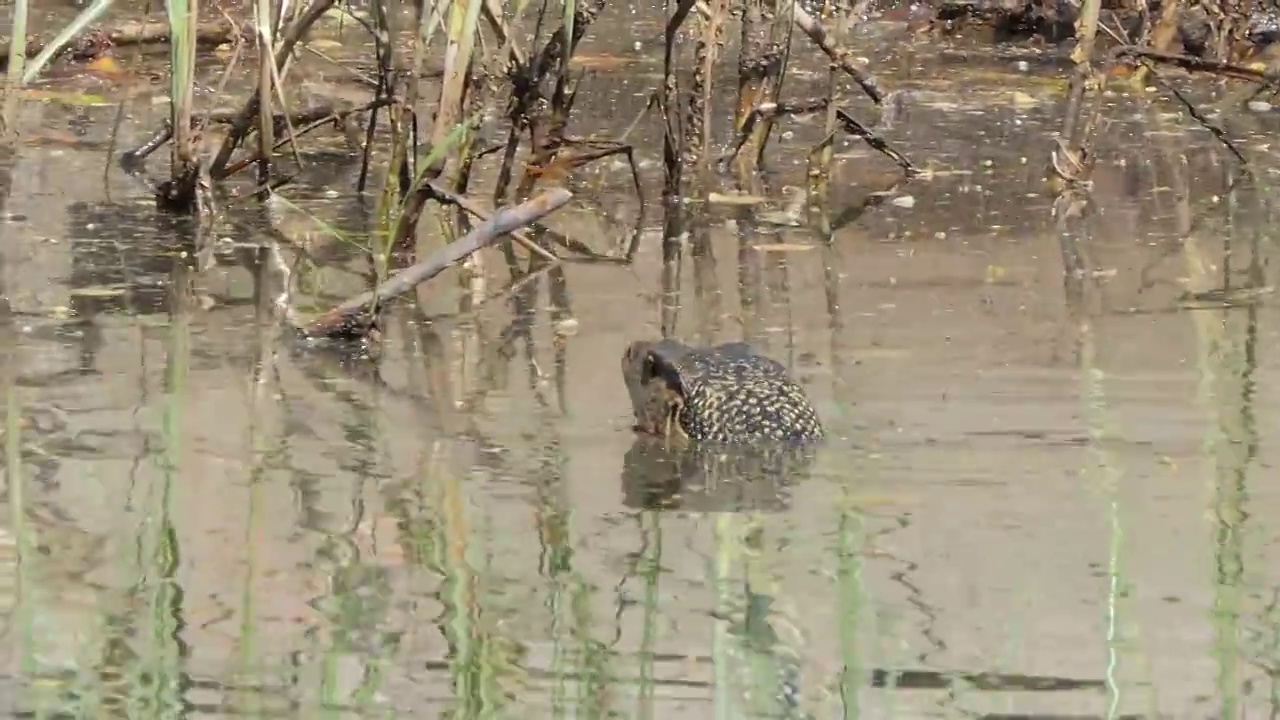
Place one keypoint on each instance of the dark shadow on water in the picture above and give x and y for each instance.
(931, 680)
(709, 479)
(122, 257)
(1037, 716)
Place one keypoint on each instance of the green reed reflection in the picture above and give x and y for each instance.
(1108, 475)
(156, 679)
(756, 673)
(1105, 473)
(1227, 361)
(483, 663)
(358, 606)
(577, 654)
(849, 598)
(475, 688)
(727, 551)
(24, 542)
(650, 571)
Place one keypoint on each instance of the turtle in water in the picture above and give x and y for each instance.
(725, 394)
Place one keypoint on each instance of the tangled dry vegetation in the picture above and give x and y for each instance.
(438, 72)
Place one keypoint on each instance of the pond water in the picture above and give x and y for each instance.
(1045, 494)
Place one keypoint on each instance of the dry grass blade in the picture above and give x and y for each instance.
(66, 35)
(452, 107)
(284, 50)
(710, 38)
(17, 58)
(180, 192)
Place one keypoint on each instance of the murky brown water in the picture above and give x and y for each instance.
(1043, 498)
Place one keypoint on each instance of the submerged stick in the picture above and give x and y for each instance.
(845, 121)
(1196, 115)
(309, 119)
(148, 32)
(504, 221)
(1197, 64)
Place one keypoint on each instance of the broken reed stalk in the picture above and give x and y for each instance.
(424, 24)
(822, 156)
(289, 39)
(841, 56)
(264, 25)
(759, 70)
(781, 30)
(308, 119)
(1070, 158)
(459, 164)
(547, 127)
(697, 134)
(362, 309)
(464, 24)
(452, 106)
(672, 139)
(15, 61)
(698, 125)
(547, 124)
(1197, 64)
(397, 183)
(180, 192)
(1162, 35)
(675, 213)
(384, 90)
(531, 109)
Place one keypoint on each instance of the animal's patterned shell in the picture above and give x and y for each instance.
(731, 394)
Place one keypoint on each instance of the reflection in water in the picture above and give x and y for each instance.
(121, 257)
(206, 522)
(711, 479)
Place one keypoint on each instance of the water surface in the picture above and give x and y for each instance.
(1045, 494)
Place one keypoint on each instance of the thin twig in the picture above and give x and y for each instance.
(1195, 113)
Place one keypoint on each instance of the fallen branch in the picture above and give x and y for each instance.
(773, 110)
(444, 196)
(309, 118)
(1195, 64)
(1195, 113)
(841, 57)
(361, 311)
(95, 42)
(310, 121)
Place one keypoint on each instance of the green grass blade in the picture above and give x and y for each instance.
(77, 26)
(434, 158)
(343, 237)
(182, 51)
(570, 6)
